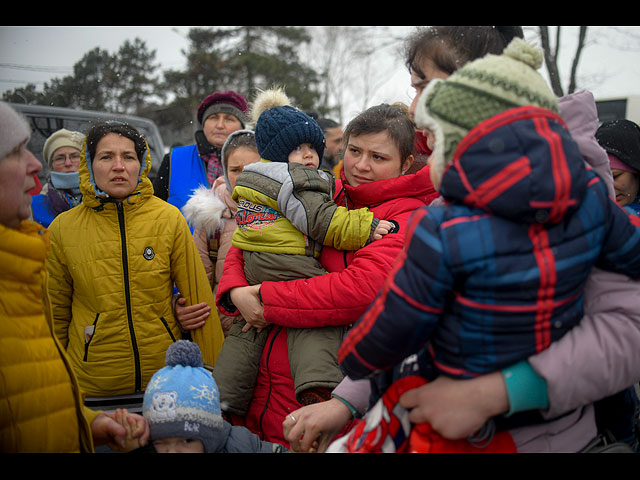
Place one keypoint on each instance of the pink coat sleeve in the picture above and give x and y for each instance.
(600, 356)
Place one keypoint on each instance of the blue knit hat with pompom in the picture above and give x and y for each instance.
(182, 399)
(281, 128)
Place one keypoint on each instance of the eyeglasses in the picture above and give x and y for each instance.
(62, 158)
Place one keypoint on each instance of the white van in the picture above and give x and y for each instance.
(46, 120)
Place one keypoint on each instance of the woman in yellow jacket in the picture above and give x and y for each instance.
(113, 265)
(41, 406)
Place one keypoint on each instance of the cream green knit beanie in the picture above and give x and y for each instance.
(478, 91)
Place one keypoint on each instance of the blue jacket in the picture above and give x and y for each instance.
(41, 211)
(498, 273)
(187, 172)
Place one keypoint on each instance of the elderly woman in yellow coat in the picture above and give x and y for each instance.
(113, 265)
(41, 406)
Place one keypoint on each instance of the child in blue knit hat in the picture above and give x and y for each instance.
(182, 406)
(285, 215)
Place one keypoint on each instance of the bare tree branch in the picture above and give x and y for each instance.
(576, 59)
(550, 59)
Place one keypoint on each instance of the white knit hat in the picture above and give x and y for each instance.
(14, 129)
(61, 138)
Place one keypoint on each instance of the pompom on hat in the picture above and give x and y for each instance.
(61, 138)
(14, 129)
(281, 128)
(480, 90)
(223, 102)
(182, 399)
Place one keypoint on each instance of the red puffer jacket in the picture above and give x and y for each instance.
(337, 298)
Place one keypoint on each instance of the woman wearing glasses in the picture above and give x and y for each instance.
(62, 191)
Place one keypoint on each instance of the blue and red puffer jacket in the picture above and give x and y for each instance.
(498, 273)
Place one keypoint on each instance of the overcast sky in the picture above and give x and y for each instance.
(610, 65)
(37, 54)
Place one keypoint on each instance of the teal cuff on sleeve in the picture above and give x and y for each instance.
(526, 389)
(354, 412)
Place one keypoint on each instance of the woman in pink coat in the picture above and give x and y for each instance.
(597, 359)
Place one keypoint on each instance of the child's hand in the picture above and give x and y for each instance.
(382, 229)
(135, 427)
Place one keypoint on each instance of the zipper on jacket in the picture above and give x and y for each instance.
(346, 205)
(87, 342)
(266, 405)
(166, 325)
(127, 295)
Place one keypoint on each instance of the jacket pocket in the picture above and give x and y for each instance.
(89, 332)
(166, 325)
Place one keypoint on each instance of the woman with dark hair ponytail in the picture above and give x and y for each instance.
(449, 47)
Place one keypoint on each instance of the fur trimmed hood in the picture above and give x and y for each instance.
(205, 210)
(207, 207)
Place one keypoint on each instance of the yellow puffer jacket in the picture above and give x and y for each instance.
(112, 270)
(288, 208)
(40, 403)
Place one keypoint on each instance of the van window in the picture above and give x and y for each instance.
(622, 107)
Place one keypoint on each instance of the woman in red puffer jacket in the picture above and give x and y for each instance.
(379, 150)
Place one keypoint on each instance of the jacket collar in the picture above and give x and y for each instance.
(203, 145)
(417, 185)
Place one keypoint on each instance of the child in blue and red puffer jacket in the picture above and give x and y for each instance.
(497, 274)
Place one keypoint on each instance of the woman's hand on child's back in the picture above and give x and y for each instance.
(457, 408)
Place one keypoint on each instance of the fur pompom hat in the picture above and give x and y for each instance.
(182, 399)
(280, 128)
(225, 102)
(480, 90)
(14, 129)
